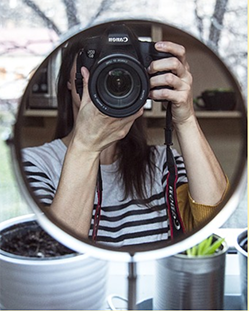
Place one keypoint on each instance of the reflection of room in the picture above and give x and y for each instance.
(220, 127)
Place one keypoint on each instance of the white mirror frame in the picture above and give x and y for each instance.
(116, 255)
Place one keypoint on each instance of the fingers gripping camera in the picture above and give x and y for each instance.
(117, 61)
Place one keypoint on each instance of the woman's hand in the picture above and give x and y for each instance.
(95, 130)
(179, 81)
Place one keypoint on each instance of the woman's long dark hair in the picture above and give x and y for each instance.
(136, 163)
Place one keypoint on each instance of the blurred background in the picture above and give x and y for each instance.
(30, 29)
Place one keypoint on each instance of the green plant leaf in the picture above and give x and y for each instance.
(214, 247)
(205, 248)
(204, 245)
(189, 252)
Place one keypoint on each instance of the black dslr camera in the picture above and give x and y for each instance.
(117, 61)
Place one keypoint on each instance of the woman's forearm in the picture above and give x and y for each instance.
(74, 199)
(207, 182)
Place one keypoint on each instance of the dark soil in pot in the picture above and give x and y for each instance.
(28, 239)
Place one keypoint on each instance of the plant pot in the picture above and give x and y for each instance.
(190, 283)
(68, 281)
(242, 248)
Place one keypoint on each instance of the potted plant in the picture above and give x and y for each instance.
(37, 272)
(242, 248)
(192, 280)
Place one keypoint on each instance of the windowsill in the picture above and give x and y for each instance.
(117, 283)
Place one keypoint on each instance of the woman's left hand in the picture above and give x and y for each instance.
(177, 82)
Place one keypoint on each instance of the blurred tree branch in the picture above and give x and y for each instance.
(71, 12)
(217, 22)
(198, 19)
(104, 6)
(41, 14)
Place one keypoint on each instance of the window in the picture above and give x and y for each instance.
(30, 29)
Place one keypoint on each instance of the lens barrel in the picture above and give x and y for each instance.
(118, 85)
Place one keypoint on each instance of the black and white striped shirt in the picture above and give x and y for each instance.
(123, 222)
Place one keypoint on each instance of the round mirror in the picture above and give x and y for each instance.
(117, 65)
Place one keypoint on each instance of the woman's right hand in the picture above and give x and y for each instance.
(95, 131)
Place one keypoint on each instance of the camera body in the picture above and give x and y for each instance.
(117, 62)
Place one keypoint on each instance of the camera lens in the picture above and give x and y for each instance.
(119, 82)
(118, 85)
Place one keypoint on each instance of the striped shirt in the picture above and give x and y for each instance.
(123, 222)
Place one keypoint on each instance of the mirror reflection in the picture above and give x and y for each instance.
(97, 158)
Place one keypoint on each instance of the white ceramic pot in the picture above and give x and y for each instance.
(73, 281)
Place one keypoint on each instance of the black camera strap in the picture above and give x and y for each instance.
(175, 221)
(98, 206)
(78, 75)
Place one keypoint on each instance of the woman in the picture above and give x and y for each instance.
(134, 175)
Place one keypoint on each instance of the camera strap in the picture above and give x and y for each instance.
(97, 216)
(175, 221)
(78, 75)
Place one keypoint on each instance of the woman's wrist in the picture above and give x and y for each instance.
(80, 150)
(190, 123)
